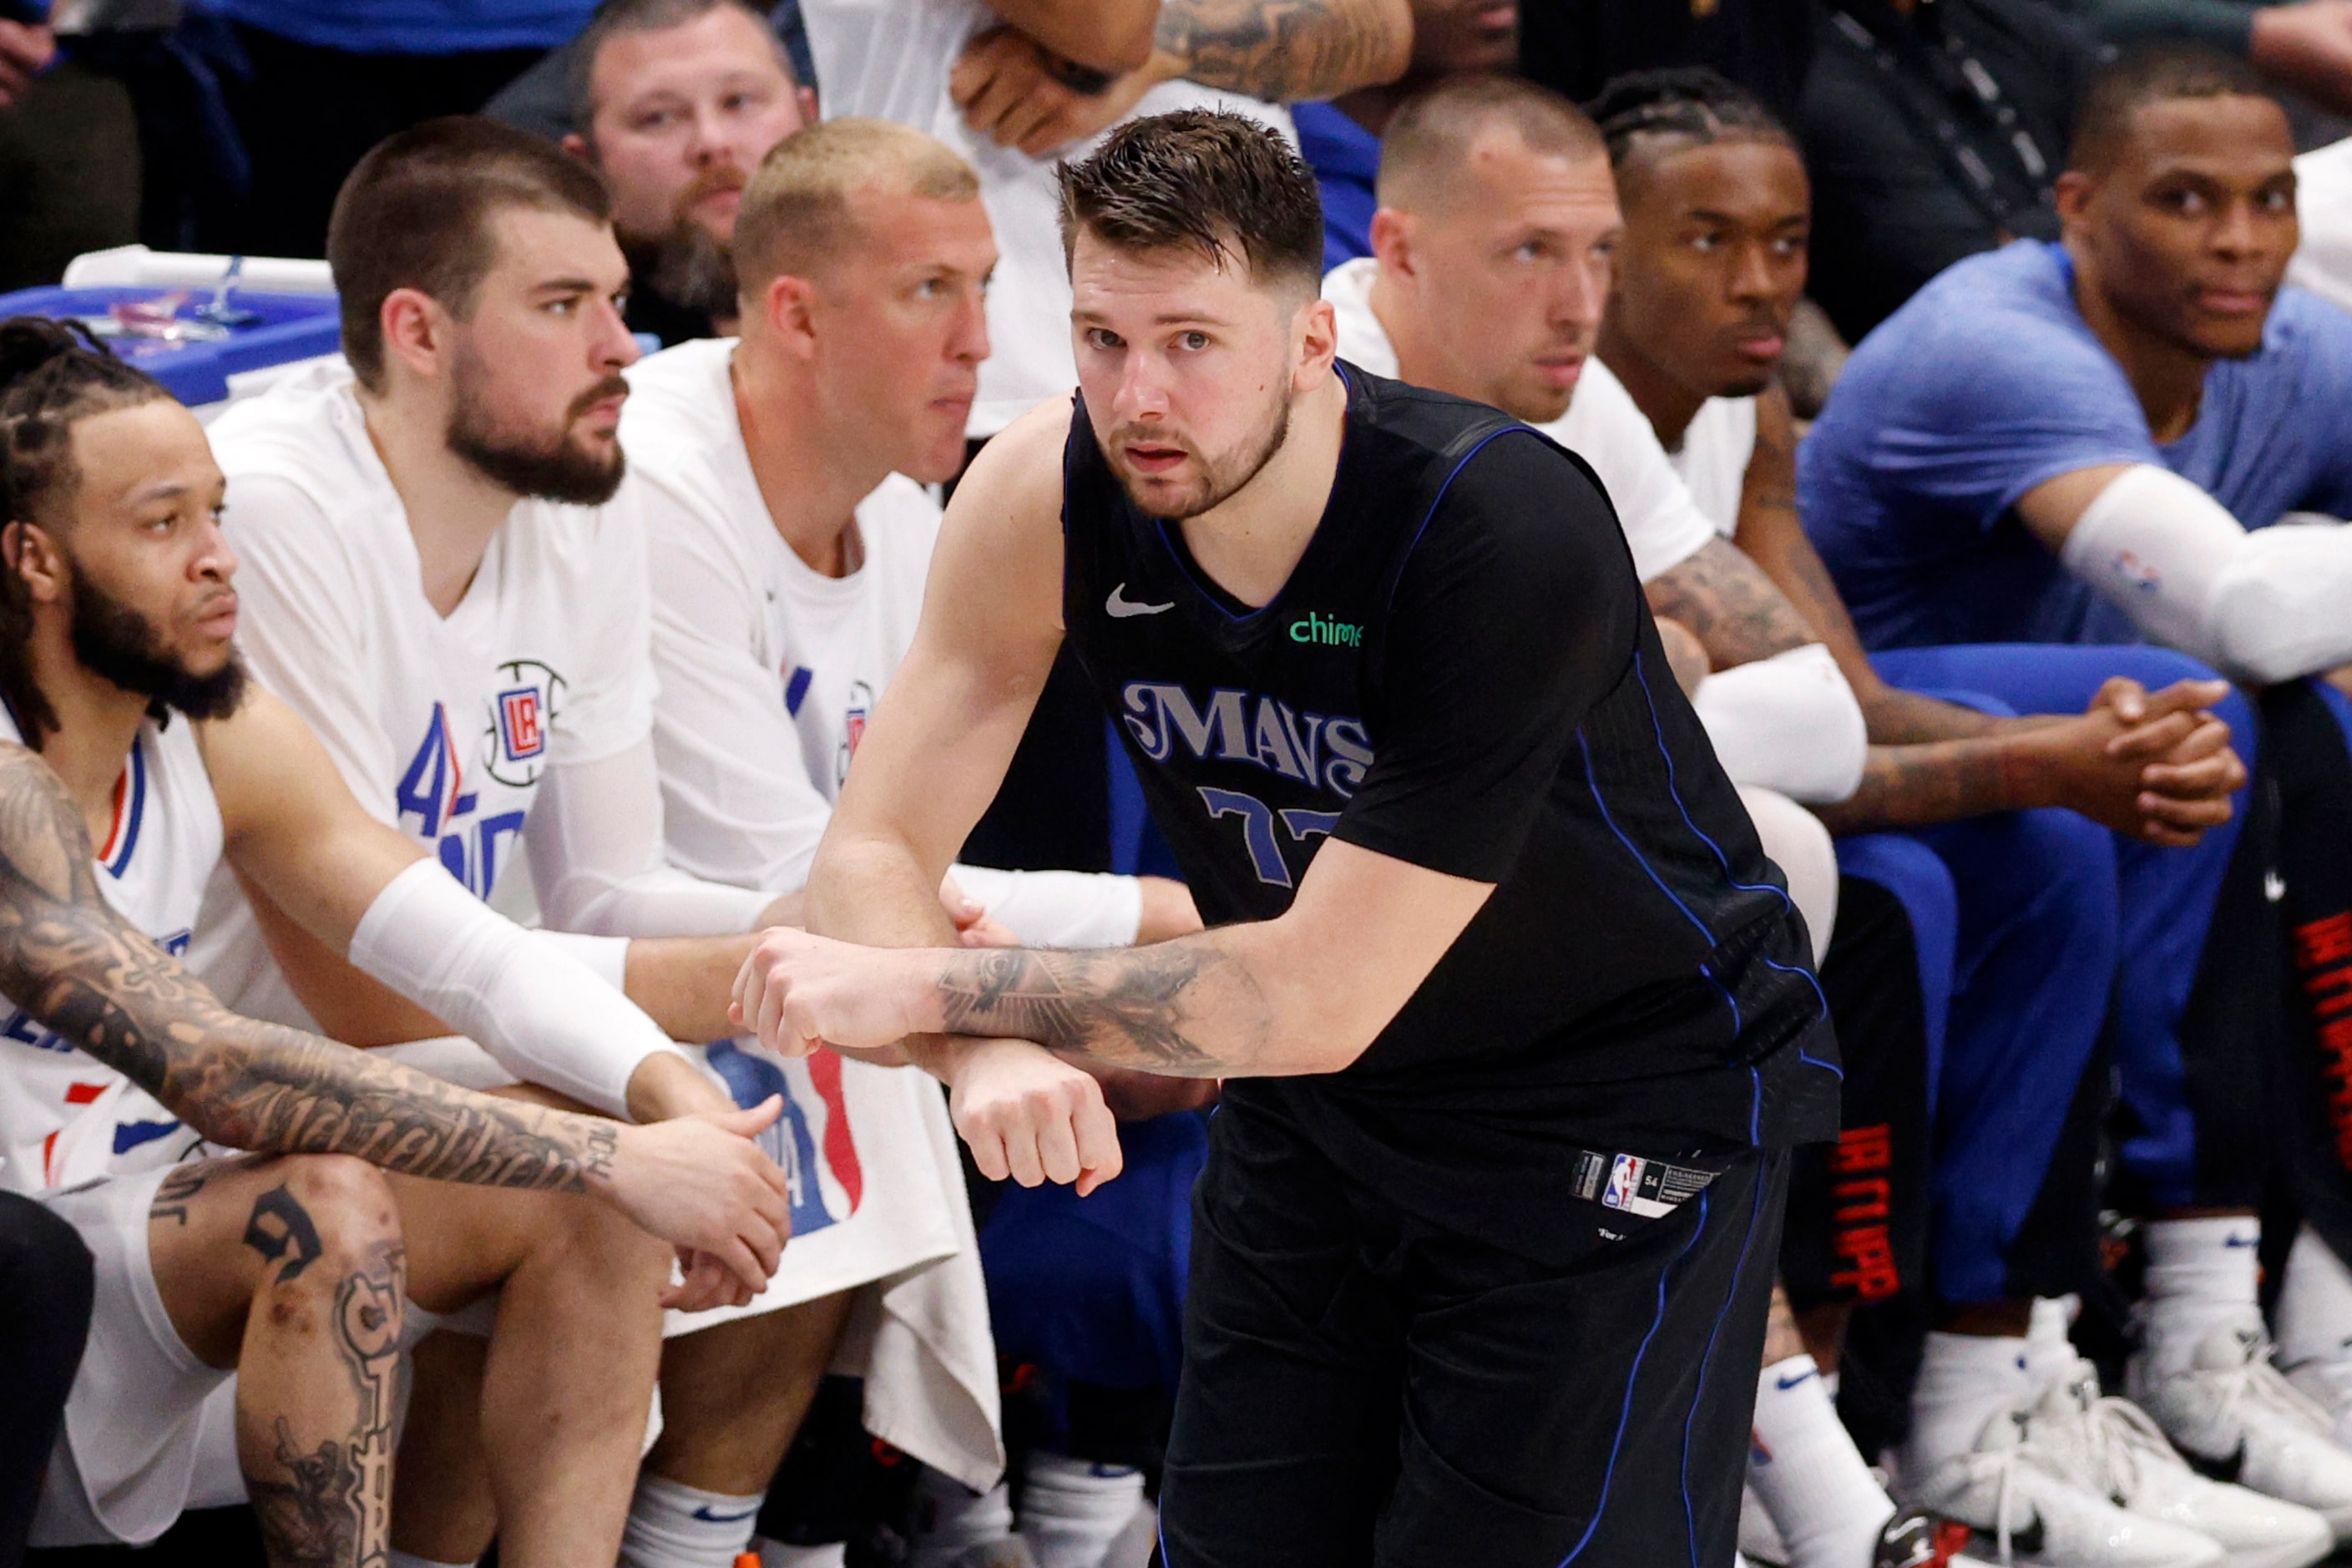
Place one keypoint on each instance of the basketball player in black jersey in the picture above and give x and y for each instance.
(1513, 1013)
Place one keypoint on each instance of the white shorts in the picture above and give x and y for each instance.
(150, 1431)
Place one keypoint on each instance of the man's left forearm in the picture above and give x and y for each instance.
(1286, 51)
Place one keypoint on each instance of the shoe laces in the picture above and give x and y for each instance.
(2002, 1466)
(2121, 1442)
(2256, 1386)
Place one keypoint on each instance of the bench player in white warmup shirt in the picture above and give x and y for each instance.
(118, 669)
(446, 578)
(789, 541)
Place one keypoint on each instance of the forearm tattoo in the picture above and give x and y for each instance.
(1282, 50)
(1735, 609)
(1125, 1007)
(1919, 785)
(67, 959)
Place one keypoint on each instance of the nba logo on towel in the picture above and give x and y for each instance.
(1624, 1178)
(810, 1140)
(520, 732)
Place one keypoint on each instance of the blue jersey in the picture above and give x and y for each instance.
(1987, 383)
(413, 27)
(1345, 158)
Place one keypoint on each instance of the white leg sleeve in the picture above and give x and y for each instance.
(2262, 607)
(1788, 723)
(543, 1013)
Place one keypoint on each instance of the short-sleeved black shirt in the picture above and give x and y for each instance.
(1461, 672)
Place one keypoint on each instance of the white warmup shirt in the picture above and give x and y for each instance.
(889, 59)
(450, 730)
(1713, 458)
(65, 1116)
(1604, 426)
(2323, 200)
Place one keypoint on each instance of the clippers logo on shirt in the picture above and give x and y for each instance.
(853, 727)
(810, 1140)
(432, 796)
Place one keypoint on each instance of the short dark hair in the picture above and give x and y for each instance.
(1209, 180)
(614, 18)
(416, 214)
(1691, 103)
(2152, 73)
(51, 376)
(1428, 138)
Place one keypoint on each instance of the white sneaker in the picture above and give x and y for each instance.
(2328, 1384)
(2027, 1508)
(2110, 1445)
(2236, 1419)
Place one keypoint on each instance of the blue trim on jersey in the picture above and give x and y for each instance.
(134, 808)
(1632, 1375)
(1787, 904)
(1755, 1211)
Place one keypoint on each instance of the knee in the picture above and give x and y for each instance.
(600, 1240)
(346, 1204)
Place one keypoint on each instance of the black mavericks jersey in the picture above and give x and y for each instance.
(1461, 672)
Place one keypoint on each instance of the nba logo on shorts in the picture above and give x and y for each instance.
(812, 1140)
(520, 733)
(1625, 1176)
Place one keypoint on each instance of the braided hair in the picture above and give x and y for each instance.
(51, 375)
(1694, 103)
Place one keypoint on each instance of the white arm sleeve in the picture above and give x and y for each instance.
(1788, 723)
(595, 843)
(1059, 909)
(2262, 606)
(546, 1019)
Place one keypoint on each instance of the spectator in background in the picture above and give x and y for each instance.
(2304, 45)
(329, 78)
(1932, 131)
(677, 101)
(1341, 140)
(1574, 46)
(2322, 199)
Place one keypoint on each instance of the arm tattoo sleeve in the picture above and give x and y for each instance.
(67, 959)
(1284, 50)
(1735, 609)
(1133, 1008)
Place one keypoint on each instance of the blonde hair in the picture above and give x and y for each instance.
(795, 214)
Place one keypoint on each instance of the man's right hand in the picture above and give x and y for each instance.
(1032, 1117)
(699, 1183)
(2156, 765)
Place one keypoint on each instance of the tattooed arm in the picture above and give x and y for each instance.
(1285, 50)
(2145, 764)
(80, 968)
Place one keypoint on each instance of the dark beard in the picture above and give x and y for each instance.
(551, 469)
(1220, 485)
(685, 267)
(114, 642)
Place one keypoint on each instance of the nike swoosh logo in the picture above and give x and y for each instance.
(1785, 1383)
(1121, 608)
(2226, 1469)
(704, 1514)
(2240, 1241)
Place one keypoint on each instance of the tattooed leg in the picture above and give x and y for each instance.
(578, 1288)
(293, 1272)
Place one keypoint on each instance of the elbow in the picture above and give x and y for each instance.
(1108, 38)
(1395, 51)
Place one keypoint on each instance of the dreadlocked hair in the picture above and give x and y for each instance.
(1694, 102)
(51, 375)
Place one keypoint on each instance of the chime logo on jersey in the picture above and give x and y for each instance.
(812, 1140)
(522, 714)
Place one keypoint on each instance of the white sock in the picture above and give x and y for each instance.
(951, 1518)
(1809, 1475)
(673, 1525)
(2050, 1354)
(1071, 1509)
(1965, 1380)
(396, 1558)
(776, 1554)
(2202, 1274)
(2315, 1305)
